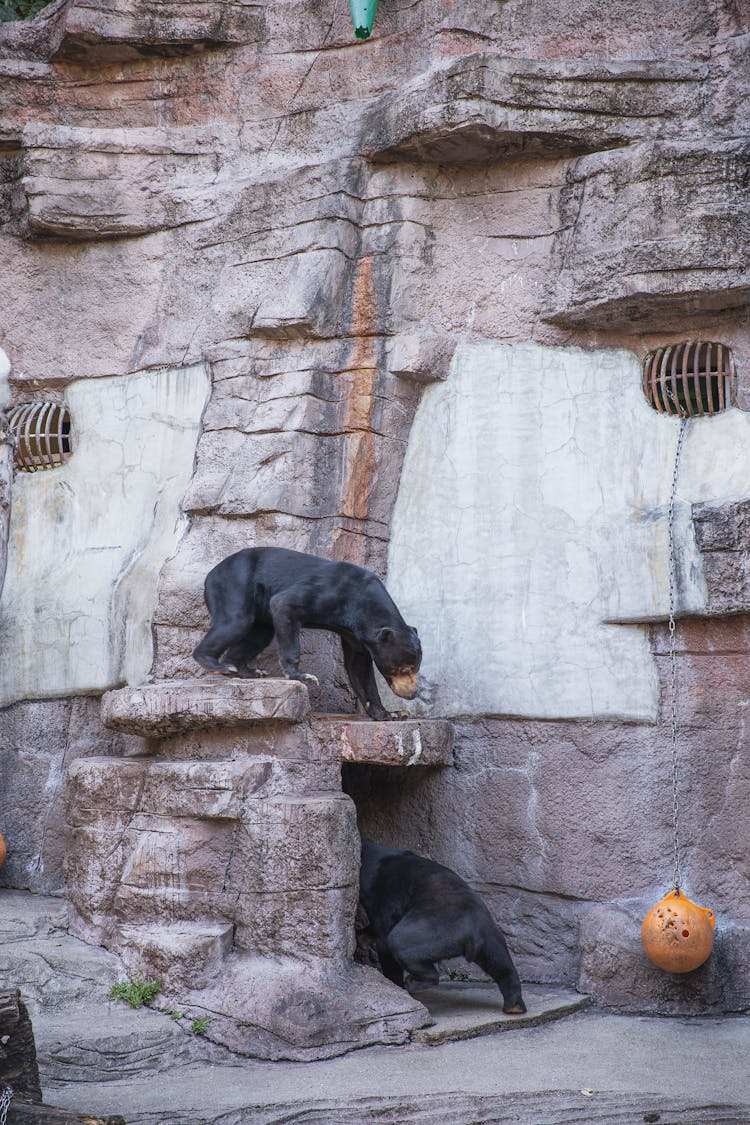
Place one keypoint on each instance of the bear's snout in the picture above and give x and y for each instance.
(404, 684)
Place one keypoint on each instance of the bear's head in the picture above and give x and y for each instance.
(398, 654)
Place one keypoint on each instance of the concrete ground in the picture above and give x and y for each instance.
(587, 1067)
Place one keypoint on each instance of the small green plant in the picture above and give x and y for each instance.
(20, 9)
(137, 991)
(176, 1015)
(200, 1025)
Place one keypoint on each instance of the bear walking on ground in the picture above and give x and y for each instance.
(420, 912)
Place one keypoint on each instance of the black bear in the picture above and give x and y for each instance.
(265, 591)
(420, 912)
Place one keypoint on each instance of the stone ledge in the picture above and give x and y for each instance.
(652, 235)
(408, 742)
(283, 1007)
(175, 706)
(483, 108)
(464, 1010)
(83, 183)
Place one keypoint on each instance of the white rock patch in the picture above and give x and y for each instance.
(88, 539)
(532, 517)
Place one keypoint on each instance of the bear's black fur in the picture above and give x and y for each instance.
(420, 912)
(265, 591)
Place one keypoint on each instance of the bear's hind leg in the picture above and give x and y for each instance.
(244, 652)
(496, 961)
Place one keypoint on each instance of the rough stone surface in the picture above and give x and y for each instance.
(39, 740)
(617, 973)
(485, 108)
(124, 30)
(426, 359)
(722, 534)
(620, 261)
(86, 183)
(401, 743)
(161, 709)
(231, 878)
(81, 1035)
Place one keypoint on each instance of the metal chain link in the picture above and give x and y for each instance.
(6, 1097)
(677, 877)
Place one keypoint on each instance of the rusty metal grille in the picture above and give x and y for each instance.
(42, 435)
(690, 380)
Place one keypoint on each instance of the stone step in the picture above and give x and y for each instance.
(111, 1042)
(191, 952)
(177, 706)
(403, 742)
(466, 1009)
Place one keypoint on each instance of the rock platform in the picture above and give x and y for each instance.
(222, 857)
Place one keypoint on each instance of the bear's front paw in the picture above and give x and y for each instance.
(303, 677)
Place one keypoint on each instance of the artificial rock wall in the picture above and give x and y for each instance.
(494, 199)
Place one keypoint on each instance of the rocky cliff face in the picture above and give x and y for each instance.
(321, 223)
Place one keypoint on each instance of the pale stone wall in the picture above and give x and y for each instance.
(533, 511)
(88, 539)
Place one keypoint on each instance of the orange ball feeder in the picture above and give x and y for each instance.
(677, 934)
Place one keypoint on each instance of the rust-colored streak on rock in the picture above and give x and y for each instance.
(358, 406)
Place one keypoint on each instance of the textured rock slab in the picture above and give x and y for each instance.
(617, 974)
(722, 535)
(464, 1010)
(655, 230)
(562, 1108)
(158, 710)
(52, 969)
(408, 742)
(425, 359)
(190, 953)
(284, 1008)
(281, 870)
(105, 183)
(483, 108)
(108, 1041)
(124, 30)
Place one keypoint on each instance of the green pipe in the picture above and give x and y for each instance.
(363, 16)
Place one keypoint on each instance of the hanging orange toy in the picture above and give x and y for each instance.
(677, 934)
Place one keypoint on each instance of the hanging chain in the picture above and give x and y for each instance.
(677, 877)
(6, 1097)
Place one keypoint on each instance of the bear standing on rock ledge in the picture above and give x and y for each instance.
(263, 592)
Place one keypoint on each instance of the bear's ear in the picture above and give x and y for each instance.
(383, 636)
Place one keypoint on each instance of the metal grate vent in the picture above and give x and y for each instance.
(42, 435)
(689, 380)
